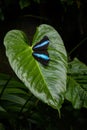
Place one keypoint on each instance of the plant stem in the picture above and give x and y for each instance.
(77, 46)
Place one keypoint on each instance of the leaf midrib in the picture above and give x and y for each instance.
(44, 80)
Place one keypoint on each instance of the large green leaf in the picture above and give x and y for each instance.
(48, 83)
(77, 84)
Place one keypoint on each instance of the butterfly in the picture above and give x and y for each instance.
(40, 51)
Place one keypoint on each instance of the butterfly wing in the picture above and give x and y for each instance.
(42, 57)
(42, 45)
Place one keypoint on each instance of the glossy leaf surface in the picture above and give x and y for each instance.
(48, 83)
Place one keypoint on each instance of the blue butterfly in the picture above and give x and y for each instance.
(40, 51)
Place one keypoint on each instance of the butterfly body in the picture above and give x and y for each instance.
(40, 51)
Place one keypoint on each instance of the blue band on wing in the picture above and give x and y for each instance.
(41, 56)
(40, 51)
(42, 45)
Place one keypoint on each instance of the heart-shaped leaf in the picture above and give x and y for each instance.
(48, 83)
